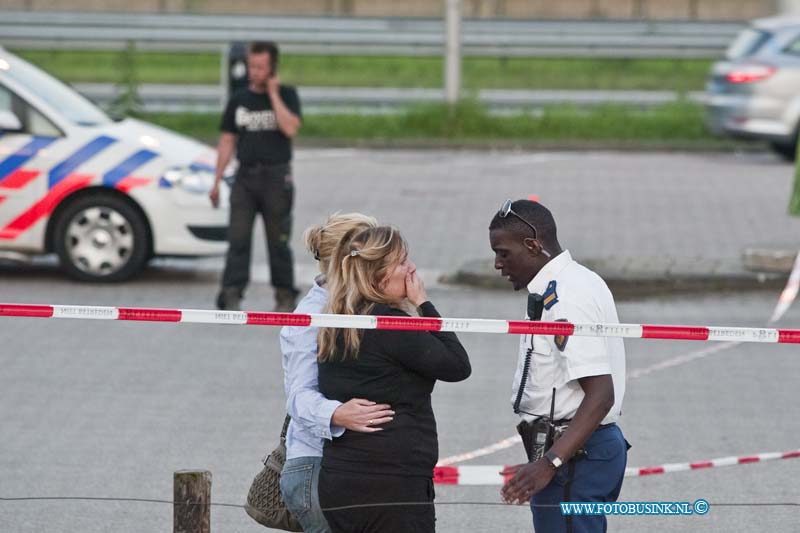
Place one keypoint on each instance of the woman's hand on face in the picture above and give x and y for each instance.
(415, 290)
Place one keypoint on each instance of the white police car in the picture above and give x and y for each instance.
(105, 196)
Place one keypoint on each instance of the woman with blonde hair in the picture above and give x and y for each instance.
(371, 274)
(315, 418)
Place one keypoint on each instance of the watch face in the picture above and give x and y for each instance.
(554, 459)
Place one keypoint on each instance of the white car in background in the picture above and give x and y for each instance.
(105, 196)
(754, 92)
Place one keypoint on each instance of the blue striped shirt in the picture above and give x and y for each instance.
(311, 412)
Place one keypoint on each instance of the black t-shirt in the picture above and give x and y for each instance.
(250, 116)
(399, 368)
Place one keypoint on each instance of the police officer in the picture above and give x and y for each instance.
(581, 380)
(258, 124)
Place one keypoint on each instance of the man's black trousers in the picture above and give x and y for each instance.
(267, 190)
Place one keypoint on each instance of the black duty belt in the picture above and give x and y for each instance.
(537, 436)
(568, 421)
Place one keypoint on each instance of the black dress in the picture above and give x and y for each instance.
(394, 465)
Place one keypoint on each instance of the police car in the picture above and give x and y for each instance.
(105, 196)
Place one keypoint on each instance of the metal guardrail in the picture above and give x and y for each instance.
(374, 36)
(206, 98)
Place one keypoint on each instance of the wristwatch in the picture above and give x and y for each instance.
(554, 460)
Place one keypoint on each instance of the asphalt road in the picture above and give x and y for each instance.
(107, 409)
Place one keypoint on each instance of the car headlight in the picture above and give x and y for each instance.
(191, 180)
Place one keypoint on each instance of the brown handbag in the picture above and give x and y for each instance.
(265, 504)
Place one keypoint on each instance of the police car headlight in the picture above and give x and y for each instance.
(173, 176)
(198, 182)
(193, 181)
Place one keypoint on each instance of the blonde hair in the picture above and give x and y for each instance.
(322, 239)
(357, 270)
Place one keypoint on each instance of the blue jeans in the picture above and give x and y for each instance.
(595, 478)
(299, 488)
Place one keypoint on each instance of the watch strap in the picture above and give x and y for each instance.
(554, 460)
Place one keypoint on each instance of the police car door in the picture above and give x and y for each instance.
(25, 135)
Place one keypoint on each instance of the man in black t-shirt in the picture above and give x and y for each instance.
(259, 123)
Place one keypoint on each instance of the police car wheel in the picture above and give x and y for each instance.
(101, 238)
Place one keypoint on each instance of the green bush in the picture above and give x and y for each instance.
(471, 121)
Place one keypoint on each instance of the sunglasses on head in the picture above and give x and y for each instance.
(506, 210)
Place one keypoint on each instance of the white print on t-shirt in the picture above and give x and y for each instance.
(255, 120)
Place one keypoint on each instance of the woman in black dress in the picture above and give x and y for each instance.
(372, 275)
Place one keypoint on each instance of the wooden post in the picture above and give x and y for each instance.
(192, 499)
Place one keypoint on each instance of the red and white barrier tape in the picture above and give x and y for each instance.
(480, 452)
(490, 475)
(461, 325)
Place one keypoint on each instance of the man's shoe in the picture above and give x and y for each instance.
(229, 299)
(285, 300)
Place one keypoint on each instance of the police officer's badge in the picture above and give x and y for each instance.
(561, 340)
(550, 296)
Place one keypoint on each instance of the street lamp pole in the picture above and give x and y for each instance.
(452, 59)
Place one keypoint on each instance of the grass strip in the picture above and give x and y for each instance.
(377, 71)
(680, 122)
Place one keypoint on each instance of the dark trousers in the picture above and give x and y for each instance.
(267, 190)
(338, 489)
(595, 478)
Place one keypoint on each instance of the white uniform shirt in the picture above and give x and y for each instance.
(581, 296)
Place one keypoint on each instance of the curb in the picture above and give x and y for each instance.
(515, 145)
(637, 277)
(773, 260)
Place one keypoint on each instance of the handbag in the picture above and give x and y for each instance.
(265, 504)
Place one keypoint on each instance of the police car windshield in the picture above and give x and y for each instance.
(59, 96)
